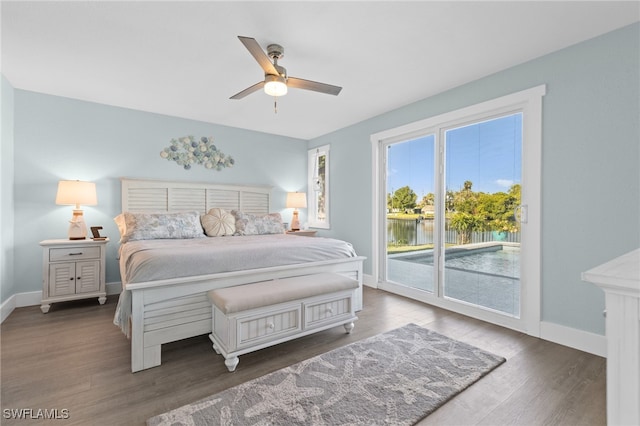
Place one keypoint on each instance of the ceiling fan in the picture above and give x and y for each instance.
(276, 81)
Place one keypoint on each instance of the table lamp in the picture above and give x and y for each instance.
(296, 200)
(75, 192)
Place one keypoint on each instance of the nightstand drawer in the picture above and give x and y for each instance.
(73, 253)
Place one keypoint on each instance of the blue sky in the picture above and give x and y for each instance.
(486, 153)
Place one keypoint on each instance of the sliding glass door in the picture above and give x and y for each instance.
(451, 203)
(482, 169)
(456, 206)
(410, 218)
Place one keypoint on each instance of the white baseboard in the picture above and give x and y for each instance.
(578, 339)
(28, 299)
(33, 298)
(7, 307)
(369, 281)
(18, 301)
(113, 288)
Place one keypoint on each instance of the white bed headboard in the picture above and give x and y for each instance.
(145, 195)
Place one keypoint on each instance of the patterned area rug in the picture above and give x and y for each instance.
(395, 378)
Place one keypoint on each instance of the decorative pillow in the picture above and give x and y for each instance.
(150, 226)
(249, 224)
(218, 222)
(122, 225)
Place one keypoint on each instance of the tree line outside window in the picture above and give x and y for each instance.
(466, 211)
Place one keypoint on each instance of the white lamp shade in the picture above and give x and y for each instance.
(75, 192)
(296, 200)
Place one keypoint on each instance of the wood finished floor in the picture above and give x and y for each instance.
(74, 358)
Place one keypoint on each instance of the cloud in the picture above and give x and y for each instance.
(505, 183)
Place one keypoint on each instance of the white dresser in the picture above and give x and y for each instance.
(620, 280)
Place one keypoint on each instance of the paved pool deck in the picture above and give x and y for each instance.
(488, 290)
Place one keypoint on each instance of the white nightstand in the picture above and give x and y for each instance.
(303, 233)
(72, 270)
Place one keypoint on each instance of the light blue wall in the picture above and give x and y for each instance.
(6, 194)
(58, 138)
(590, 165)
(590, 170)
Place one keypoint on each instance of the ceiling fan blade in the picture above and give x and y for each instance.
(256, 51)
(248, 90)
(299, 83)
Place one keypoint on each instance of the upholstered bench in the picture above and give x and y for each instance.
(254, 316)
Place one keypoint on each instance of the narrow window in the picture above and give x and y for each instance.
(318, 192)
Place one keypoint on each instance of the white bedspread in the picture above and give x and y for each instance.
(151, 260)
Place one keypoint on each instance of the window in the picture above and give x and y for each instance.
(318, 187)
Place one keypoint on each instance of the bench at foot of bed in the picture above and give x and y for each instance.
(249, 317)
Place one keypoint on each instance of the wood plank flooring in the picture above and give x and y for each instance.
(75, 359)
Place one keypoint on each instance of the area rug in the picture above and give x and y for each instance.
(395, 378)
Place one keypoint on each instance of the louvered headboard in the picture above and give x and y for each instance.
(141, 195)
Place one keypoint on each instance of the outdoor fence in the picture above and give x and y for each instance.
(413, 232)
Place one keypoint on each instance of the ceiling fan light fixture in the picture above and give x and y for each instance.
(275, 85)
(276, 79)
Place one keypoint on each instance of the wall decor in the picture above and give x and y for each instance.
(188, 150)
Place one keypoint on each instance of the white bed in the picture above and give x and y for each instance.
(161, 310)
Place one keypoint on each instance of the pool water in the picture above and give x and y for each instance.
(500, 260)
(487, 277)
(504, 263)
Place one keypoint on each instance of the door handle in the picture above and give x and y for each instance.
(520, 213)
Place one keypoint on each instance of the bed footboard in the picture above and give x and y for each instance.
(170, 310)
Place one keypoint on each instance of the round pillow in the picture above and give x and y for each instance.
(218, 222)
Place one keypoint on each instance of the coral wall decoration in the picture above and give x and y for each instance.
(186, 151)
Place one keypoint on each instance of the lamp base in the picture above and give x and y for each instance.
(77, 227)
(295, 223)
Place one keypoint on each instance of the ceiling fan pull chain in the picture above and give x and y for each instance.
(275, 104)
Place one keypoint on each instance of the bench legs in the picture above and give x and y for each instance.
(214, 344)
(232, 361)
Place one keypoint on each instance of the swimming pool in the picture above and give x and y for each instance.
(483, 275)
(504, 262)
(500, 260)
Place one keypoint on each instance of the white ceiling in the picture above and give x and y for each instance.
(184, 58)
